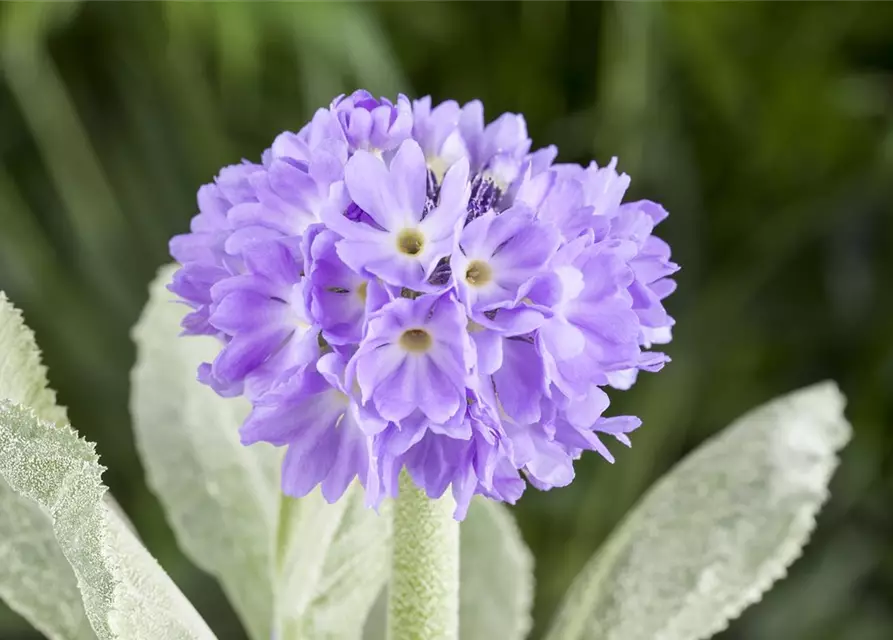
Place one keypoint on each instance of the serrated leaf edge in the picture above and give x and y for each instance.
(801, 529)
(790, 551)
(30, 360)
(94, 576)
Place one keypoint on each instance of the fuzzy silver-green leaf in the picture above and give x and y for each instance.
(336, 559)
(220, 497)
(717, 531)
(36, 580)
(126, 594)
(23, 377)
(496, 575)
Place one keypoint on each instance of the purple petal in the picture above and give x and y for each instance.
(368, 182)
(409, 177)
(246, 352)
(442, 222)
(520, 383)
(307, 463)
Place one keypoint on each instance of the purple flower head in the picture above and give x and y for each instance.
(408, 232)
(471, 453)
(264, 316)
(497, 149)
(372, 124)
(404, 286)
(497, 254)
(593, 328)
(291, 192)
(589, 201)
(437, 132)
(337, 294)
(312, 413)
(202, 252)
(415, 357)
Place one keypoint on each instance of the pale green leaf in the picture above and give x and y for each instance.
(714, 533)
(23, 378)
(495, 578)
(336, 562)
(36, 580)
(496, 575)
(125, 592)
(221, 497)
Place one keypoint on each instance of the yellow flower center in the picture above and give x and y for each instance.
(478, 273)
(474, 327)
(410, 241)
(416, 340)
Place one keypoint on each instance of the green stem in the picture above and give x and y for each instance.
(424, 588)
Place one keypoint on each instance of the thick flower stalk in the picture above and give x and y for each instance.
(423, 592)
(401, 289)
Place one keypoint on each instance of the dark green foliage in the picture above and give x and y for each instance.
(766, 129)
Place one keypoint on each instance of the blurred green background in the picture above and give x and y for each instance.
(766, 129)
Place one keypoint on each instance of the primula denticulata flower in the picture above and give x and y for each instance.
(400, 286)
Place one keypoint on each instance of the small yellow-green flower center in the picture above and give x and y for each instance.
(478, 273)
(361, 291)
(416, 340)
(474, 327)
(410, 241)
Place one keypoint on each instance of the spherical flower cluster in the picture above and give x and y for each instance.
(400, 286)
